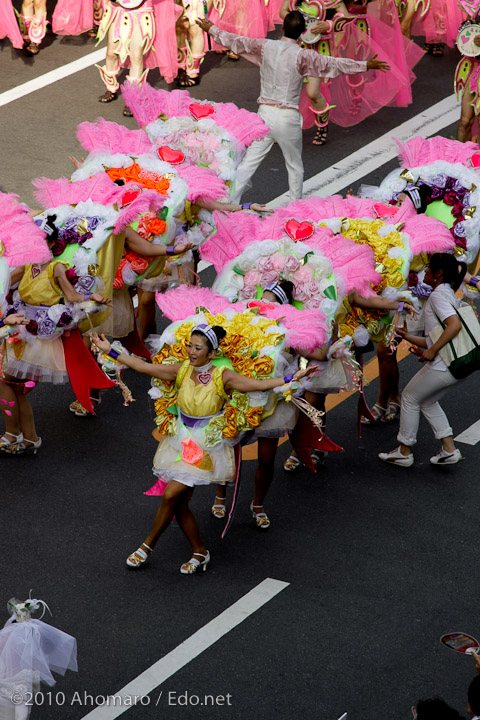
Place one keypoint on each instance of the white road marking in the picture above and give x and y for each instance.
(470, 436)
(48, 78)
(189, 649)
(364, 161)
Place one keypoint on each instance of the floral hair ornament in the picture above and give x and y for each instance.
(279, 293)
(209, 332)
(22, 611)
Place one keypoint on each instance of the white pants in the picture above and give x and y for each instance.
(286, 128)
(422, 395)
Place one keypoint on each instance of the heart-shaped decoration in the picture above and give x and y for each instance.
(167, 154)
(383, 210)
(35, 271)
(464, 39)
(129, 197)
(204, 378)
(475, 159)
(299, 231)
(199, 110)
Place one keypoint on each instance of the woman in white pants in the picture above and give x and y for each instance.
(425, 389)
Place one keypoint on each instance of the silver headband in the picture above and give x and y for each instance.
(209, 332)
(279, 293)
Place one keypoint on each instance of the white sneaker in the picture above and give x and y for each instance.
(395, 457)
(445, 458)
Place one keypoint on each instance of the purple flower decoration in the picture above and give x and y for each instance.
(65, 319)
(436, 193)
(85, 284)
(93, 222)
(439, 180)
(70, 223)
(83, 238)
(422, 290)
(460, 230)
(45, 326)
(71, 236)
(450, 182)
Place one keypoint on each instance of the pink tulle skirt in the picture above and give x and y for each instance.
(249, 18)
(441, 22)
(9, 26)
(72, 17)
(363, 94)
(273, 10)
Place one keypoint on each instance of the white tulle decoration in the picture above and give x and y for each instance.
(361, 336)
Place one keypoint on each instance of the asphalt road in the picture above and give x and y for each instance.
(381, 561)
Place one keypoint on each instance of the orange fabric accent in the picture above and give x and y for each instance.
(134, 173)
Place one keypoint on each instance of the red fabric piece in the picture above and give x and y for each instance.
(134, 344)
(82, 369)
(307, 437)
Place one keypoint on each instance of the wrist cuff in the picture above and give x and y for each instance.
(400, 306)
(473, 281)
(288, 378)
(170, 249)
(86, 297)
(113, 353)
(246, 206)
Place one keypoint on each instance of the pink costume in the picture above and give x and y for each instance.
(9, 26)
(33, 28)
(440, 22)
(155, 21)
(72, 17)
(249, 18)
(376, 32)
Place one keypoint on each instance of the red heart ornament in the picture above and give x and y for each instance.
(174, 157)
(129, 197)
(475, 159)
(36, 270)
(205, 378)
(299, 231)
(385, 210)
(198, 110)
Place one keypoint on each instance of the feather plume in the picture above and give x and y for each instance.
(182, 302)
(234, 232)
(110, 137)
(147, 201)
(24, 242)
(202, 183)
(424, 151)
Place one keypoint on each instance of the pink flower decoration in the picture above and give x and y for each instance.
(191, 452)
(301, 293)
(252, 277)
(268, 277)
(265, 264)
(303, 275)
(292, 264)
(313, 288)
(278, 262)
(249, 291)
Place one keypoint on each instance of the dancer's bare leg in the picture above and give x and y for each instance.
(174, 494)
(407, 18)
(188, 524)
(467, 116)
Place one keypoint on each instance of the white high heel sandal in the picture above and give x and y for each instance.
(139, 556)
(12, 447)
(191, 567)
